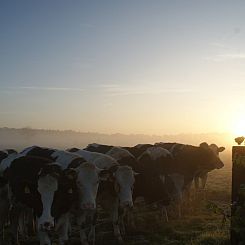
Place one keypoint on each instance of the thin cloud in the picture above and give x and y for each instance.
(226, 57)
(217, 44)
(116, 90)
(47, 88)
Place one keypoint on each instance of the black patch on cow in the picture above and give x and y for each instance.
(41, 152)
(3, 155)
(76, 162)
(24, 173)
(73, 149)
(11, 151)
(65, 196)
(98, 148)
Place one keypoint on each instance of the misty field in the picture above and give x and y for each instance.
(202, 221)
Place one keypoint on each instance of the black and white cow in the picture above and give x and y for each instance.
(87, 181)
(37, 183)
(115, 193)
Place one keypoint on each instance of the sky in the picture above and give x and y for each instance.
(138, 66)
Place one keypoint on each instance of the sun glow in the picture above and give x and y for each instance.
(238, 127)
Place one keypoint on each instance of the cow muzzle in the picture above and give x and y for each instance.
(220, 165)
(88, 206)
(47, 226)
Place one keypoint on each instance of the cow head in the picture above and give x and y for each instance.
(216, 150)
(88, 177)
(211, 156)
(47, 185)
(123, 178)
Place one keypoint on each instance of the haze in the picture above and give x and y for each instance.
(152, 67)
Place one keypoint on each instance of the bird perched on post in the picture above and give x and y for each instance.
(239, 140)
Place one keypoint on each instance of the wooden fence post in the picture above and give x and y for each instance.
(238, 196)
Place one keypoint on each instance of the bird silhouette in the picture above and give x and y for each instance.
(239, 140)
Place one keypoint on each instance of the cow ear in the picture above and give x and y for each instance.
(204, 145)
(27, 190)
(135, 173)
(104, 174)
(70, 173)
(221, 149)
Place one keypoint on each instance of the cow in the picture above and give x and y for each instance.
(35, 183)
(94, 147)
(203, 176)
(151, 167)
(197, 160)
(193, 162)
(115, 194)
(87, 181)
(144, 162)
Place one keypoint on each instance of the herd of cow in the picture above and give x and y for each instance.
(56, 188)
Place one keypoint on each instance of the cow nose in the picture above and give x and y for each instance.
(220, 165)
(88, 206)
(47, 226)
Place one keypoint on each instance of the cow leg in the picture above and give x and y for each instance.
(62, 228)
(91, 235)
(196, 180)
(188, 192)
(4, 210)
(115, 222)
(204, 180)
(121, 215)
(131, 220)
(179, 210)
(14, 222)
(81, 220)
(164, 213)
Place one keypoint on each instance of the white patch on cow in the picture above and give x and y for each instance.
(156, 152)
(119, 153)
(64, 158)
(87, 182)
(47, 185)
(101, 160)
(6, 162)
(125, 179)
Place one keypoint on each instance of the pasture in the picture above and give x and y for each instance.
(202, 222)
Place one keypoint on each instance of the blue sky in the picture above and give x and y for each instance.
(137, 66)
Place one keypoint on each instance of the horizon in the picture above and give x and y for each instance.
(154, 68)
